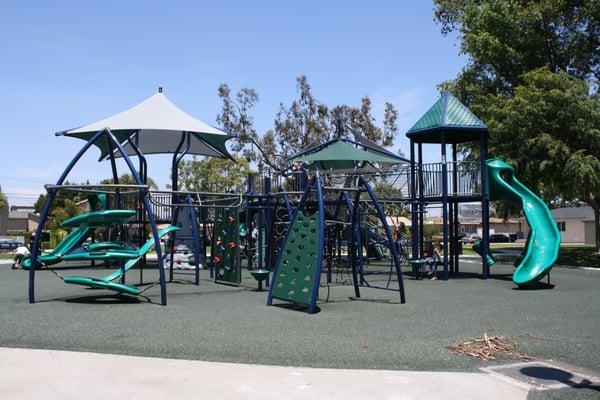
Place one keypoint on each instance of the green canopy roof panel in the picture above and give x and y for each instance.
(447, 115)
(341, 154)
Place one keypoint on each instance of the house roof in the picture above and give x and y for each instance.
(450, 116)
(584, 212)
(18, 214)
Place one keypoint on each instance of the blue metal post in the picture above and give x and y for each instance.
(390, 239)
(148, 206)
(196, 236)
(421, 205)
(413, 204)
(445, 204)
(319, 264)
(44, 215)
(356, 249)
(485, 211)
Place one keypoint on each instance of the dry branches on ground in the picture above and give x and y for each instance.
(487, 348)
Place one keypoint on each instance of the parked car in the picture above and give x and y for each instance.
(471, 239)
(8, 244)
(499, 238)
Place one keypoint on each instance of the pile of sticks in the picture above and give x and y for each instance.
(488, 347)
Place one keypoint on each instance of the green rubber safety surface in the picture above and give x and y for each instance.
(297, 269)
(226, 246)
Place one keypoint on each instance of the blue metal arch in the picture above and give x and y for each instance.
(52, 195)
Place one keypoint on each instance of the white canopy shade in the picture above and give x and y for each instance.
(160, 126)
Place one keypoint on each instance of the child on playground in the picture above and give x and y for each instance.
(435, 259)
(20, 253)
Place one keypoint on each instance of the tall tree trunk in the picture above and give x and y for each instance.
(595, 203)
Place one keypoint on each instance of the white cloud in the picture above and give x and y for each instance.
(41, 174)
(22, 195)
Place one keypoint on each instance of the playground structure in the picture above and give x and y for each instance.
(326, 212)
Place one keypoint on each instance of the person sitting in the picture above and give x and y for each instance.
(435, 260)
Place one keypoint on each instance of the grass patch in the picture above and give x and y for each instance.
(580, 256)
(6, 256)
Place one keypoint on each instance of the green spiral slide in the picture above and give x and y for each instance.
(543, 243)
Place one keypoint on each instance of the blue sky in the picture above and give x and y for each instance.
(69, 63)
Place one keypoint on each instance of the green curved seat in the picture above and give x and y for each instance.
(103, 246)
(260, 274)
(100, 218)
(109, 255)
(106, 282)
(99, 283)
(71, 241)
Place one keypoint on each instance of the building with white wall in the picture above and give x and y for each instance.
(576, 224)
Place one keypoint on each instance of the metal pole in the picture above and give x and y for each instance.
(148, 206)
(445, 203)
(390, 240)
(319, 264)
(485, 211)
(413, 201)
(44, 215)
(421, 201)
(455, 210)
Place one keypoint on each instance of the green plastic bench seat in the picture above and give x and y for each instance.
(417, 265)
(100, 218)
(102, 284)
(112, 255)
(260, 275)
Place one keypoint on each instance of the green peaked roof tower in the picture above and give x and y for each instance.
(447, 115)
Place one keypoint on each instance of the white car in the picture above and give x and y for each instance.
(471, 239)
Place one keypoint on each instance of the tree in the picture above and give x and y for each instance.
(2, 199)
(304, 123)
(214, 174)
(505, 39)
(532, 76)
(360, 121)
(388, 195)
(127, 179)
(556, 121)
(39, 203)
(236, 117)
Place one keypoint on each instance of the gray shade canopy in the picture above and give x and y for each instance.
(160, 126)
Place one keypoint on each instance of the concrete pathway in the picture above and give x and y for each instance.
(49, 374)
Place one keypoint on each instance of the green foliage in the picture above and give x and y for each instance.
(431, 231)
(2, 199)
(61, 211)
(505, 39)
(39, 203)
(557, 125)
(305, 122)
(127, 179)
(236, 117)
(386, 191)
(533, 77)
(214, 174)
(63, 207)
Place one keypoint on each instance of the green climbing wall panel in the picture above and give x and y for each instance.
(226, 246)
(297, 270)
